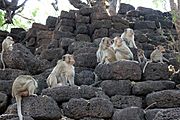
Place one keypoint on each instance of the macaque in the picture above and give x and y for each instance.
(122, 51)
(63, 72)
(105, 53)
(7, 45)
(23, 86)
(128, 37)
(141, 57)
(156, 56)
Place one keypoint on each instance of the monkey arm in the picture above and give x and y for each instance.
(165, 59)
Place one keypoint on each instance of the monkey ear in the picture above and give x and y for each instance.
(103, 39)
(63, 57)
(158, 47)
(125, 30)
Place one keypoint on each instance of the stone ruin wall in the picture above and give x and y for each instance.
(124, 93)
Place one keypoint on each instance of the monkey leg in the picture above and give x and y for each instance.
(71, 80)
(31, 89)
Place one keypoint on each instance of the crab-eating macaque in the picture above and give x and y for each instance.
(128, 37)
(23, 86)
(141, 57)
(105, 53)
(156, 56)
(122, 51)
(7, 45)
(63, 72)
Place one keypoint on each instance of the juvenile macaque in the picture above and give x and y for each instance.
(63, 72)
(128, 37)
(105, 53)
(23, 86)
(141, 57)
(156, 56)
(122, 51)
(7, 45)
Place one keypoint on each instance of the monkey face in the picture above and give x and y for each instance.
(9, 37)
(129, 32)
(10, 40)
(118, 41)
(68, 59)
(161, 48)
(106, 42)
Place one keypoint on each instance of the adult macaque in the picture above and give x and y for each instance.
(63, 72)
(7, 45)
(105, 53)
(122, 51)
(23, 86)
(128, 37)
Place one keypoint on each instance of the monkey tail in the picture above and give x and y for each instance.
(2, 59)
(145, 66)
(18, 100)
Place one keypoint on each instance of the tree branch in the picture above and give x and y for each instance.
(25, 17)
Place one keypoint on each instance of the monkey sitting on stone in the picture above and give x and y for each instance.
(156, 56)
(63, 72)
(7, 45)
(128, 37)
(122, 51)
(105, 53)
(23, 86)
(141, 57)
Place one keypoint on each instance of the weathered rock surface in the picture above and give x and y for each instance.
(156, 71)
(116, 87)
(85, 77)
(120, 101)
(11, 74)
(168, 114)
(41, 108)
(21, 58)
(65, 93)
(13, 117)
(151, 113)
(77, 45)
(122, 70)
(50, 54)
(131, 113)
(95, 107)
(3, 102)
(164, 99)
(125, 8)
(143, 88)
(88, 60)
(91, 50)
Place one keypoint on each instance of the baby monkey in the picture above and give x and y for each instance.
(128, 37)
(63, 72)
(141, 57)
(156, 56)
(23, 86)
(122, 51)
(105, 53)
(6, 46)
